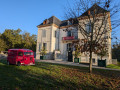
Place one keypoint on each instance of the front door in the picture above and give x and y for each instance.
(70, 56)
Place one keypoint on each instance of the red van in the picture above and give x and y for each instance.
(20, 57)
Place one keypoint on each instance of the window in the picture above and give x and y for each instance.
(95, 11)
(88, 27)
(44, 33)
(20, 53)
(69, 33)
(45, 46)
(92, 12)
(69, 23)
(28, 53)
(106, 37)
(93, 60)
(12, 53)
(69, 46)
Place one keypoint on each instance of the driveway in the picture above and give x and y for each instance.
(73, 64)
(3, 56)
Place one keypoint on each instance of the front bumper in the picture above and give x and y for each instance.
(28, 64)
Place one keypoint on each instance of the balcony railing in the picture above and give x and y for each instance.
(69, 38)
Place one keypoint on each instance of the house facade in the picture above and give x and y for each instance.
(57, 41)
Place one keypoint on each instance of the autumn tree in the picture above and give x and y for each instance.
(94, 19)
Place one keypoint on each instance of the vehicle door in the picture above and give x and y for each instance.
(20, 56)
(14, 56)
(29, 57)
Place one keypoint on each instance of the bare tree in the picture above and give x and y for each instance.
(94, 20)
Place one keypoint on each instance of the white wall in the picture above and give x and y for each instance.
(41, 40)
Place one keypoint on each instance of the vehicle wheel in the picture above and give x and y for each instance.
(18, 64)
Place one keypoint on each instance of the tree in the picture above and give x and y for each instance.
(116, 51)
(12, 38)
(2, 45)
(102, 53)
(94, 24)
(43, 51)
(29, 41)
(77, 52)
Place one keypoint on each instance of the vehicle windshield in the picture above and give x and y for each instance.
(28, 53)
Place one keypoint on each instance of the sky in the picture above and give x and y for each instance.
(27, 14)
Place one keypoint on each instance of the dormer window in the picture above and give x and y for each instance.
(95, 11)
(69, 23)
(92, 12)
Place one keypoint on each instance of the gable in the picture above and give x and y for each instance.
(94, 8)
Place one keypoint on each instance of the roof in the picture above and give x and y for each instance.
(64, 23)
(55, 20)
(52, 20)
(98, 10)
(21, 49)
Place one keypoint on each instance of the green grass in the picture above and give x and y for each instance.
(114, 66)
(53, 76)
(118, 63)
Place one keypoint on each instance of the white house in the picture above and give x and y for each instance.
(52, 36)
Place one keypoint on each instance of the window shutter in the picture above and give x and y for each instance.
(39, 47)
(44, 33)
(55, 33)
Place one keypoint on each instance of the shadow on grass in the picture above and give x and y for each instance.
(26, 77)
(47, 64)
(101, 72)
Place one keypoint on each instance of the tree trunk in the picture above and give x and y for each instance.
(90, 65)
(91, 45)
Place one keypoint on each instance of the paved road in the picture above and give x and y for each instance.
(73, 64)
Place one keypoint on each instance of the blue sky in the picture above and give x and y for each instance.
(27, 14)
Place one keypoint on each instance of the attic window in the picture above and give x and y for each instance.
(69, 23)
(92, 12)
(95, 11)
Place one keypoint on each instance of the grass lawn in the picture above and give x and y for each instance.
(114, 66)
(53, 76)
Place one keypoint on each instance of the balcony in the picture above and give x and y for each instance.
(69, 39)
